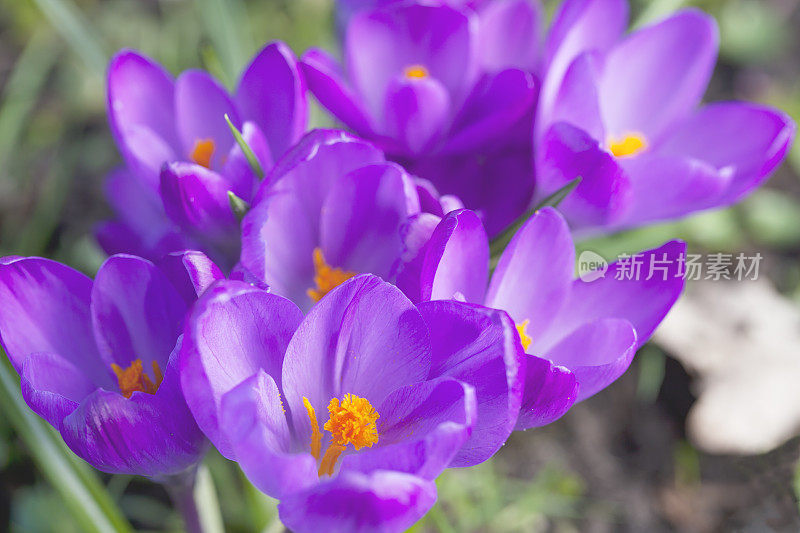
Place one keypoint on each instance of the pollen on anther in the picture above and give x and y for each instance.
(133, 378)
(628, 145)
(523, 335)
(415, 72)
(326, 277)
(202, 152)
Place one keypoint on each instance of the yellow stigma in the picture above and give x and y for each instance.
(351, 421)
(627, 146)
(326, 277)
(523, 336)
(202, 152)
(133, 378)
(415, 72)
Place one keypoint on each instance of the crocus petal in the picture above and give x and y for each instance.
(141, 112)
(416, 112)
(146, 434)
(362, 217)
(357, 503)
(234, 331)
(510, 35)
(658, 74)
(278, 243)
(495, 104)
(496, 184)
(421, 428)
(201, 104)
(550, 390)
(577, 101)
(136, 312)
(116, 237)
(191, 273)
(456, 259)
(579, 26)
(363, 338)
(665, 187)
(749, 140)
(196, 199)
(139, 207)
(534, 275)
(381, 44)
(480, 347)
(326, 80)
(52, 386)
(254, 422)
(604, 193)
(46, 309)
(415, 233)
(316, 162)
(597, 353)
(243, 180)
(643, 299)
(272, 94)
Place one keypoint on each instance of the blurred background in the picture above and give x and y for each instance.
(697, 436)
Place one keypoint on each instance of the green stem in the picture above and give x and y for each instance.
(83, 494)
(195, 498)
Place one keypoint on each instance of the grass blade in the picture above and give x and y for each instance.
(67, 19)
(223, 20)
(22, 90)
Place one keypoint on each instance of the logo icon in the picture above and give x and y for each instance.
(591, 266)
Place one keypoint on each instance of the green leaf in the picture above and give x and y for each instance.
(238, 206)
(78, 485)
(248, 153)
(500, 242)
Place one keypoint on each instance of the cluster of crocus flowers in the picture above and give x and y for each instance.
(352, 343)
(619, 111)
(447, 93)
(181, 161)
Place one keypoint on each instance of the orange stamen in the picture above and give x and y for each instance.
(523, 336)
(326, 277)
(202, 152)
(352, 421)
(316, 434)
(328, 464)
(133, 379)
(416, 72)
(627, 146)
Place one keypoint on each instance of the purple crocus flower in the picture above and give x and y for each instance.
(622, 113)
(98, 359)
(448, 93)
(180, 156)
(574, 330)
(332, 208)
(348, 414)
